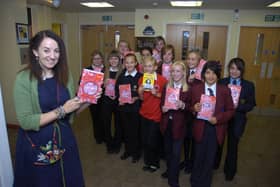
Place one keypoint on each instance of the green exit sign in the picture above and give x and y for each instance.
(106, 18)
(272, 18)
(197, 16)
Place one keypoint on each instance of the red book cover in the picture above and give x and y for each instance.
(110, 87)
(208, 104)
(235, 93)
(171, 96)
(166, 68)
(199, 69)
(90, 85)
(125, 93)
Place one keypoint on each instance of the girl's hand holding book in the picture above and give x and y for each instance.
(197, 107)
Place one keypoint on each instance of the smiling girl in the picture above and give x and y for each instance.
(173, 122)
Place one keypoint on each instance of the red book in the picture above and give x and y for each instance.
(110, 87)
(208, 104)
(171, 96)
(166, 68)
(125, 93)
(235, 93)
(90, 85)
(197, 74)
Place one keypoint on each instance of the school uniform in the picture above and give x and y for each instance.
(109, 108)
(129, 114)
(173, 128)
(208, 136)
(96, 115)
(188, 140)
(236, 125)
(150, 112)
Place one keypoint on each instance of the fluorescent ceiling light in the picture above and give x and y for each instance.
(186, 3)
(275, 4)
(97, 4)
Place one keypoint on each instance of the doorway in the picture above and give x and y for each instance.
(260, 49)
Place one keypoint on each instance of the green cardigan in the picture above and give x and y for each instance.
(26, 100)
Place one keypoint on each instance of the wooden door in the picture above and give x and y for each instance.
(182, 37)
(260, 49)
(211, 40)
(102, 37)
(92, 38)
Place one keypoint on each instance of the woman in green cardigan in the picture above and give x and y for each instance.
(44, 94)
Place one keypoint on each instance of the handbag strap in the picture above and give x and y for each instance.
(55, 126)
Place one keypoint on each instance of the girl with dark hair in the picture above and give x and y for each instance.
(44, 95)
(209, 132)
(245, 103)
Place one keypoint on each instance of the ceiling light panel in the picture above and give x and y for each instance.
(97, 4)
(275, 4)
(186, 3)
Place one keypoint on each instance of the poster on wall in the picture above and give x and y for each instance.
(22, 33)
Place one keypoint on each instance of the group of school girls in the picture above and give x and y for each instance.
(146, 126)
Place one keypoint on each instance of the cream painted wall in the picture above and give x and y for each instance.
(44, 16)
(73, 45)
(11, 11)
(118, 18)
(160, 18)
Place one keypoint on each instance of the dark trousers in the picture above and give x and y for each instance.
(108, 110)
(131, 132)
(173, 155)
(205, 152)
(218, 156)
(230, 166)
(188, 147)
(150, 141)
(97, 122)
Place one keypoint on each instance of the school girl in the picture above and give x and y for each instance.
(129, 104)
(110, 103)
(150, 112)
(97, 64)
(209, 131)
(173, 121)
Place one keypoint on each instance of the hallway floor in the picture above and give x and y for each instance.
(258, 166)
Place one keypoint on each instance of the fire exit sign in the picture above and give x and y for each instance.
(197, 16)
(272, 18)
(106, 18)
